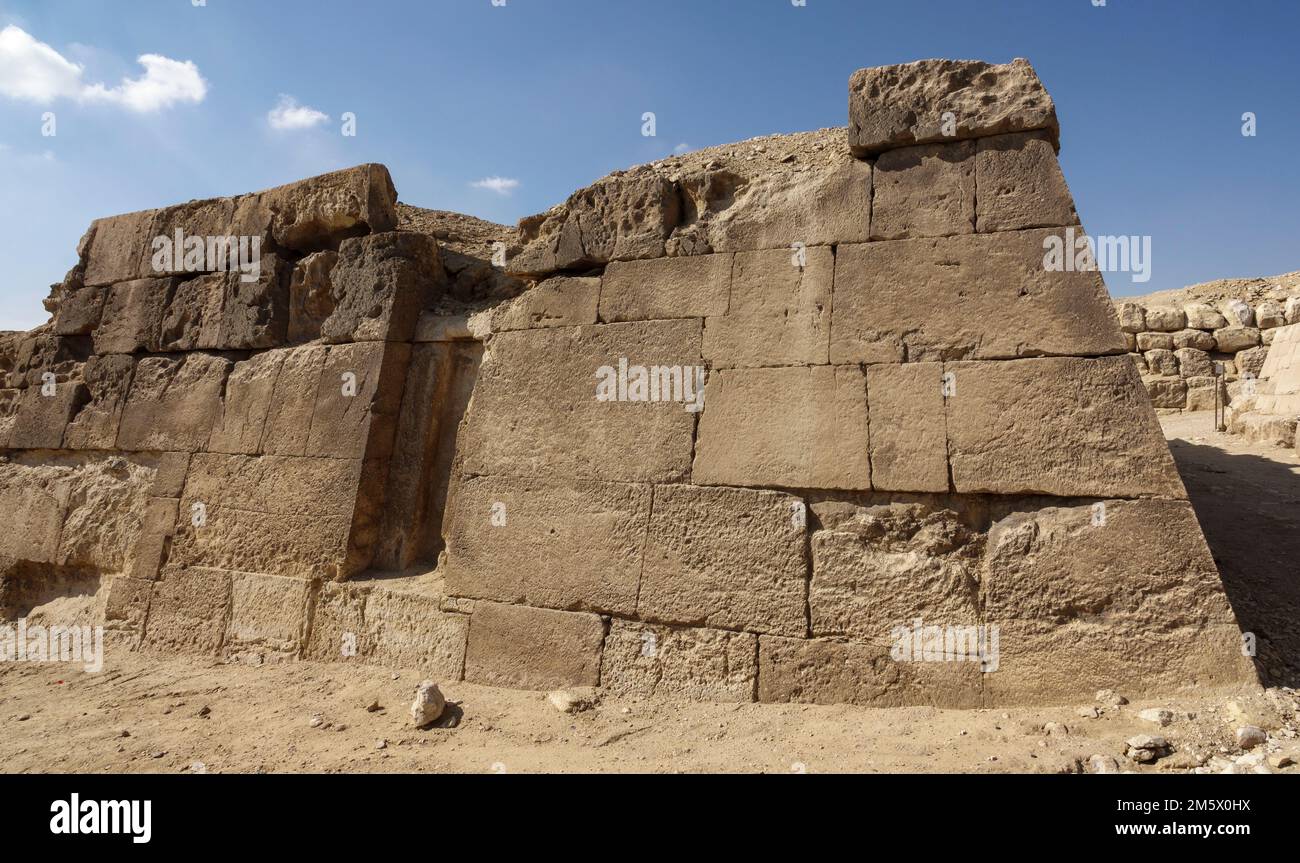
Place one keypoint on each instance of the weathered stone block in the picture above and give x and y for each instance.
(133, 316)
(188, 611)
(108, 380)
(338, 625)
(1201, 393)
(268, 617)
(408, 630)
(646, 661)
(1166, 392)
(36, 507)
(942, 100)
(80, 309)
(779, 313)
(1230, 340)
(1058, 426)
(817, 208)
(912, 299)
(173, 403)
(249, 393)
(379, 285)
(533, 648)
(317, 213)
(563, 301)
(794, 427)
(543, 419)
(909, 444)
(1193, 363)
(357, 400)
(311, 299)
(1166, 319)
(289, 544)
(725, 558)
(584, 542)
(1194, 339)
(1162, 362)
(43, 416)
(819, 671)
(1020, 184)
(126, 608)
(684, 287)
(1252, 360)
(1154, 342)
(169, 480)
(1132, 318)
(274, 484)
(229, 310)
(1204, 317)
(924, 191)
(293, 400)
(119, 248)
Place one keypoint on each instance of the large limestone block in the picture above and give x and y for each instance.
(822, 671)
(358, 400)
(1194, 364)
(119, 248)
(133, 316)
(311, 299)
(80, 308)
(817, 208)
(914, 300)
(795, 427)
(268, 617)
(684, 287)
(646, 661)
(584, 542)
(924, 191)
(563, 301)
(274, 484)
(188, 611)
(1060, 426)
(249, 393)
(379, 285)
(229, 310)
(107, 506)
(35, 503)
(535, 411)
(1132, 318)
(909, 443)
(174, 403)
(316, 213)
(779, 312)
(533, 648)
(1166, 319)
(108, 380)
(1168, 393)
(1195, 339)
(408, 630)
(1252, 360)
(1162, 362)
(43, 414)
(1201, 316)
(945, 100)
(890, 565)
(338, 625)
(1020, 184)
(298, 545)
(1146, 342)
(293, 400)
(725, 558)
(125, 609)
(1232, 339)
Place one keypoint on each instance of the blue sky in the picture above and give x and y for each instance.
(550, 93)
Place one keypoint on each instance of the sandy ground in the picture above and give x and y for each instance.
(146, 713)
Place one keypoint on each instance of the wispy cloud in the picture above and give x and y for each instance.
(288, 115)
(681, 148)
(501, 185)
(32, 71)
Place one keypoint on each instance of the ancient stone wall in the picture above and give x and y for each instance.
(796, 419)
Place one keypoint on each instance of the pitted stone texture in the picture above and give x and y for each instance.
(1195, 339)
(311, 298)
(188, 611)
(338, 625)
(80, 309)
(890, 565)
(924, 191)
(408, 630)
(583, 541)
(249, 392)
(533, 648)
(534, 418)
(315, 214)
(909, 442)
(725, 558)
(1194, 364)
(896, 106)
(779, 313)
(821, 671)
(646, 661)
(293, 400)
(1201, 316)
(795, 427)
(1230, 340)
(133, 316)
(379, 285)
(229, 310)
(1020, 184)
(913, 300)
(563, 301)
(1165, 319)
(126, 608)
(684, 287)
(268, 617)
(1132, 318)
(357, 400)
(108, 380)
(43, 415)
(1154, 342)
(120, 248)
(174, 403)
(1058, 426)
(1166, 392)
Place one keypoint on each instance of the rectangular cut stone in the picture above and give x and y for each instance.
(169, 479)
(274, 484)
(268, 617)
(780, 312)
(1059, 426)
(646, 661)
(725, 558)
(775, 210)
(120, 248)
(683, 287)
(380, 284)
(944, 100)
(126, 608)
(249, 392)
(188, 611)
(230, 310)
(358, 400)
(315, 213)
(795, 427)
(542, 419)
(583, 541)
(924, 191)
(820, 671)
(564, 301)
(34, 515)
(408, 630)
(108, 380)
(892, 564)
(533, 648)
(43, 418)
(174, 403)
(338, 626)
(133, 316)
(1020, 184)
(909, 436)
(984, 296)
(289, 544)
(293, 400)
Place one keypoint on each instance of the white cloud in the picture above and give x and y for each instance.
(33, 71)
(501, 185)
(288, 115)
(681, 148)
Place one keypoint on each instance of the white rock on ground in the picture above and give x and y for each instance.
(428, 704)
(1250, 736)
(1159, 715)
